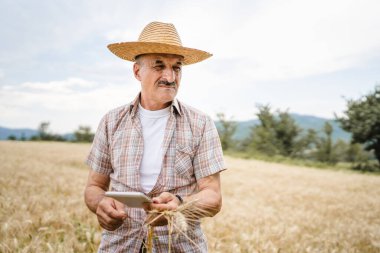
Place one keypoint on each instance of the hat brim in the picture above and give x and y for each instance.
(129, 50)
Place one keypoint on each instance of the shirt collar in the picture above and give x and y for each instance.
(174, 107)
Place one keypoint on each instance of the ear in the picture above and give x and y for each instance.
(136, 71)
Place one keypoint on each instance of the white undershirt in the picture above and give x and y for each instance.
(153, 125)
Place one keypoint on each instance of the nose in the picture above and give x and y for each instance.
(169, 74)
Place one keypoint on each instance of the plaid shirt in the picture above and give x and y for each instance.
(192, 151)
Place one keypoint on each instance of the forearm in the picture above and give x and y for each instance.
(97, 185)
(92, 196)
(208, 200)
(209, 196)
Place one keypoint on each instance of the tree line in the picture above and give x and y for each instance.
(82, 134)
(278, 134)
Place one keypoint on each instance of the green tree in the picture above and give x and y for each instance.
(45, 135)
(279, 134)
(43, 131)
(356, 154)
(287, 134)
(226, 130)
(84, 134)
(263, 135)
(341, 149)
(12, 137)
(362, 119)
(304, 146)
(325, 147)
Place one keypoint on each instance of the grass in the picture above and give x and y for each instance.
(289, 160)
(267, 207)
(41, 199)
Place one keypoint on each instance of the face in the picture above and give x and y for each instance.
(160, 77)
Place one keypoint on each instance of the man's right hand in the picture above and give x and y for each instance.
(110, 213)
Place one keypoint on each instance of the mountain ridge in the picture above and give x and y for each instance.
(242, 131)
(303, 121)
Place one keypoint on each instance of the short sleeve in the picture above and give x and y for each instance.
(208, 159)
(99, 158)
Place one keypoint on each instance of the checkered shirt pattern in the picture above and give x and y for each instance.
(192, 151)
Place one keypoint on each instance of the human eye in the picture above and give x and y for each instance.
(159, 67)
(177, 68)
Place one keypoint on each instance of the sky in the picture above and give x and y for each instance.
(307, 57)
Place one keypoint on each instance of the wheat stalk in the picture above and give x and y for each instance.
(178, 221)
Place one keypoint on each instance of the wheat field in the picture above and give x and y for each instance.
(267, 207)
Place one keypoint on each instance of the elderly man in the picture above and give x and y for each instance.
(156, 145)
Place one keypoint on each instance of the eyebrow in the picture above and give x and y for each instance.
(161, 62)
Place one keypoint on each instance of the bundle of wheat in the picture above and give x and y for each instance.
(178, 221)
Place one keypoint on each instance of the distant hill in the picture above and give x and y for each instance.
(243, 129)
(317, 123)
(303, 121)
(26, 132)
(19, 132)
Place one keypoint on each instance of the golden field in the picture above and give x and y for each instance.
(267, 207)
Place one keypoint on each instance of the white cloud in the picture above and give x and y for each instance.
(59, 102)
(301, 38)
(66, 86)
(280, 40)
(120, 35)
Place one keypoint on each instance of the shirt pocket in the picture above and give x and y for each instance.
(184, 161)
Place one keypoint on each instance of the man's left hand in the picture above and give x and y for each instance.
(165, 201)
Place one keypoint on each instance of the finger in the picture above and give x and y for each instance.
(164, 197)
(112, 221)
(104, 224)
(120, 207)
(113, 212)
(110, 227)
(167, 206)
(109, 223)
(106, 219)
(108, 212)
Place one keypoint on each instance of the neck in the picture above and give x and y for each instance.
(153, 105)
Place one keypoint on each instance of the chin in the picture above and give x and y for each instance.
(168, 96)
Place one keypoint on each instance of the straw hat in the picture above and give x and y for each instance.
(161, 38)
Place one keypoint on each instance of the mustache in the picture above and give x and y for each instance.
(166, 83)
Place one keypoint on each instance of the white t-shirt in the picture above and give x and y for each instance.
(153, 125)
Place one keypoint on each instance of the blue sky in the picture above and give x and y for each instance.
(304, 56)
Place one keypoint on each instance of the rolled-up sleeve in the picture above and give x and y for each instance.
(208, 158)
(99, 158)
